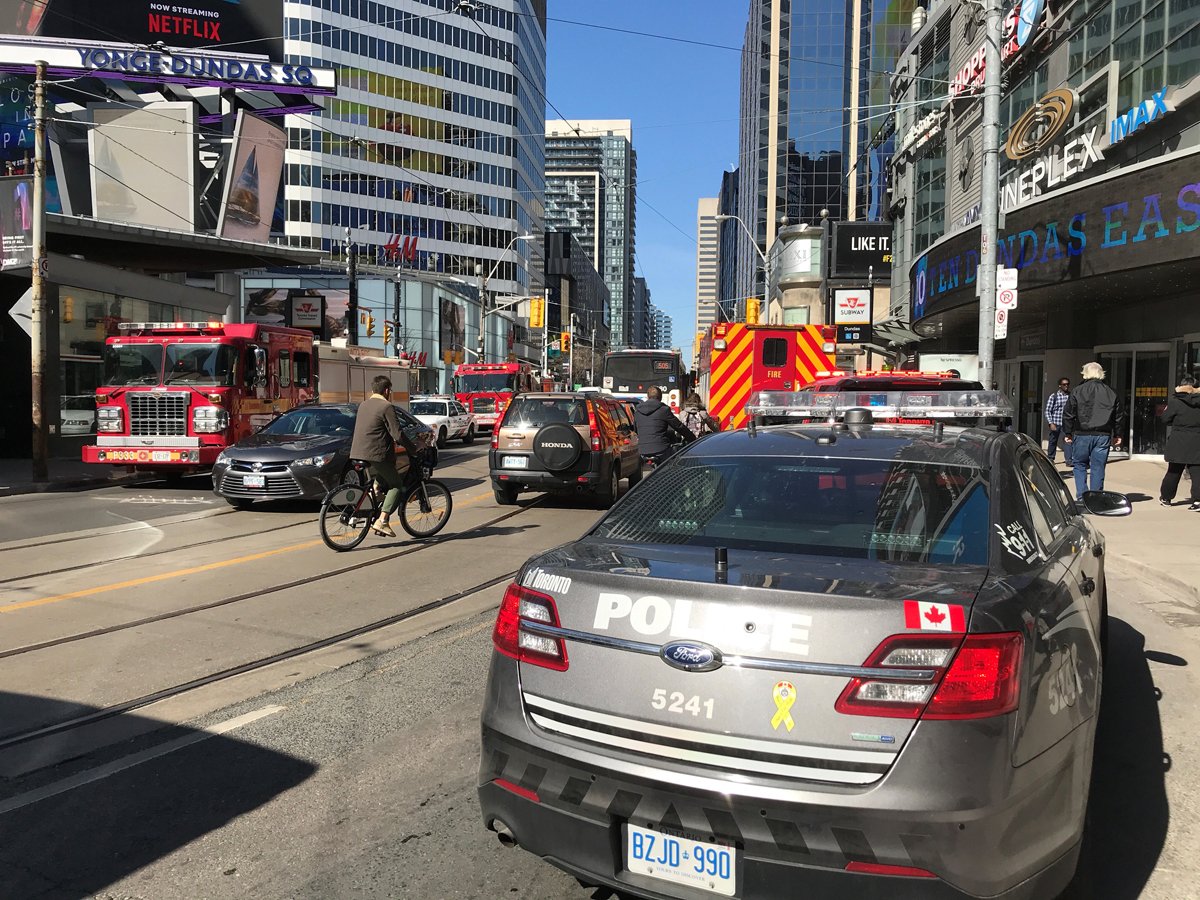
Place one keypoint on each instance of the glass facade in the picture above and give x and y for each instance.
(434, 143)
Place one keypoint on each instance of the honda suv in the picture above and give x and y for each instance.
(564, 443)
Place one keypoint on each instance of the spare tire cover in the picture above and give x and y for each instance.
(557, 446)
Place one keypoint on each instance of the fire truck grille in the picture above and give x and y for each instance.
(158, 415)
(483, 404)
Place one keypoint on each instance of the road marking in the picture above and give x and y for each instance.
(179, 573)
(136, 759)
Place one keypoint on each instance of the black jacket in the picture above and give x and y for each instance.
(655, 424)
(1183, 415)
(1094, 408)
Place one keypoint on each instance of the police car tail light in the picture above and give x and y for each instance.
(520, 607)
(879, 695)
(984, 679)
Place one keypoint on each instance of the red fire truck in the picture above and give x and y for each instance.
(175, 394)
(486, 389)
(736, 360)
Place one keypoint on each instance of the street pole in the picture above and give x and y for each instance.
(37, 330)
(483, 311)
(396, 318)
(989, 211)
(592, 356)
(352, 292)
(571, 357)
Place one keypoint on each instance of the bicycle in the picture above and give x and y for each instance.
(349, 509)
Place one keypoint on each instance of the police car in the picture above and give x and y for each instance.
(815, 659)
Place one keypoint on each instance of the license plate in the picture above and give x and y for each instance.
(160, 456)
(516, 462)
(254, 481)
(679, 860)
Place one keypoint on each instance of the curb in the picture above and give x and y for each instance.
(68, 485)
(1181, 590)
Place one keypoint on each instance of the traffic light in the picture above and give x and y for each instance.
(537, 312)
(387, 332)
(565, 341)
(370, 325)
(753, 310)
(68, 309)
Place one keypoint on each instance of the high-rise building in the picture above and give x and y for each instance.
(643, 322)
(814, 114)
(663, 333)
(432, 152)
(598, 153)
(728, 235)
(707, 254)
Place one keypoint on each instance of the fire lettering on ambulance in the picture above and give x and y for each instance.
(780, 632)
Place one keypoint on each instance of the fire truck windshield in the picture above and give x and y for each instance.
(211, 365)
(477, 384)
(132, 364)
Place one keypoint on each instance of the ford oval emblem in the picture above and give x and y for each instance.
(691, 656)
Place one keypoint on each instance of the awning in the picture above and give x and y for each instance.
(895, 333)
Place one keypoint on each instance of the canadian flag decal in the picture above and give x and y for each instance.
(934, 616)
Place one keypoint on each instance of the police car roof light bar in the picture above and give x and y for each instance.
(920, 405)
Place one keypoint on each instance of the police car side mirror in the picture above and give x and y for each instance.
(1106, 503)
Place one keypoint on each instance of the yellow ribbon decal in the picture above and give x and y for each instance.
(784, 695)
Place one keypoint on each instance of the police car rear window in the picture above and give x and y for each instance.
(902, 510)
(533, 412)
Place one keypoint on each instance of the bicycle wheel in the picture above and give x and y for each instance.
(426, 509)
(346, 515)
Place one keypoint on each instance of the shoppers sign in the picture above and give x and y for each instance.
(1015, 36)
(861, 249)
(1132, 218)
(1149, 110)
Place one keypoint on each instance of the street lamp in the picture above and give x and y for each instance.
(766, 264)
(483, 294)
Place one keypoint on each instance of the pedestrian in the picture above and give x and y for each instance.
(1093, 421)
(696, 417)
(1055, 404)
(1183, 443)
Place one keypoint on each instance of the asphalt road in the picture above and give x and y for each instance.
(350, 772)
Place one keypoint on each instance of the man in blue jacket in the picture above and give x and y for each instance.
(1093, 421)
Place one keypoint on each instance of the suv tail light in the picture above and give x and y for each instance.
(496, 436)
(977, 676)
(594, 429)
(521, 605)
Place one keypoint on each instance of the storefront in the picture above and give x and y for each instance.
(1108, 270)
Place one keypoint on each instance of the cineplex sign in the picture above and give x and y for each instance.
(1145, 216)
(170, 65)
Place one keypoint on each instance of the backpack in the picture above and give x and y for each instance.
(697, 421)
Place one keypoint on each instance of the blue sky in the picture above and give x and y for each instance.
(683, 102)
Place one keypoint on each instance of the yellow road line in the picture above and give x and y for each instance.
(179, 573)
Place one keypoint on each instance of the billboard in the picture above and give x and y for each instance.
(247, 26)
(252, 180)
(321, 310)
(143, 165)
(453, 331)
(860, 248)
(16, 222)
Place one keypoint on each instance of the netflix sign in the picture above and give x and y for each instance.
(245, 26)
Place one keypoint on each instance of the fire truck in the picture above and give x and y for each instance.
(486, 389)
(175, 394)
(737, 360)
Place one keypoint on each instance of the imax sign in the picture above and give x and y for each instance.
(1144, 113)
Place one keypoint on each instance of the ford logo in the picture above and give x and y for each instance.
(691, 656)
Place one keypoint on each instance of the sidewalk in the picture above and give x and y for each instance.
(16, 476)
(1156, 543)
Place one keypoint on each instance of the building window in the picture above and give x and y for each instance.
(929, 221)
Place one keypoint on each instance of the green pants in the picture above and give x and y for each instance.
(391, 478)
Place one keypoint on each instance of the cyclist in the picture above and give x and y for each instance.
(377, 431)
(657, 426)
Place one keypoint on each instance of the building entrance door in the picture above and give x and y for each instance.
(1140, 377)
(1029, 418)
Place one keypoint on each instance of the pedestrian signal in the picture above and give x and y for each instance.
(753, 310)
(537, 312)
(565, 342)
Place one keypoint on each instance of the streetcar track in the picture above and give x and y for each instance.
(125, 706)
(358, 565)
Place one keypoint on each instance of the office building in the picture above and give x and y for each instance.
(432, 152)
(707, 254)
(643, 321)
(592, 162)
(663, 333)
(815, 129)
